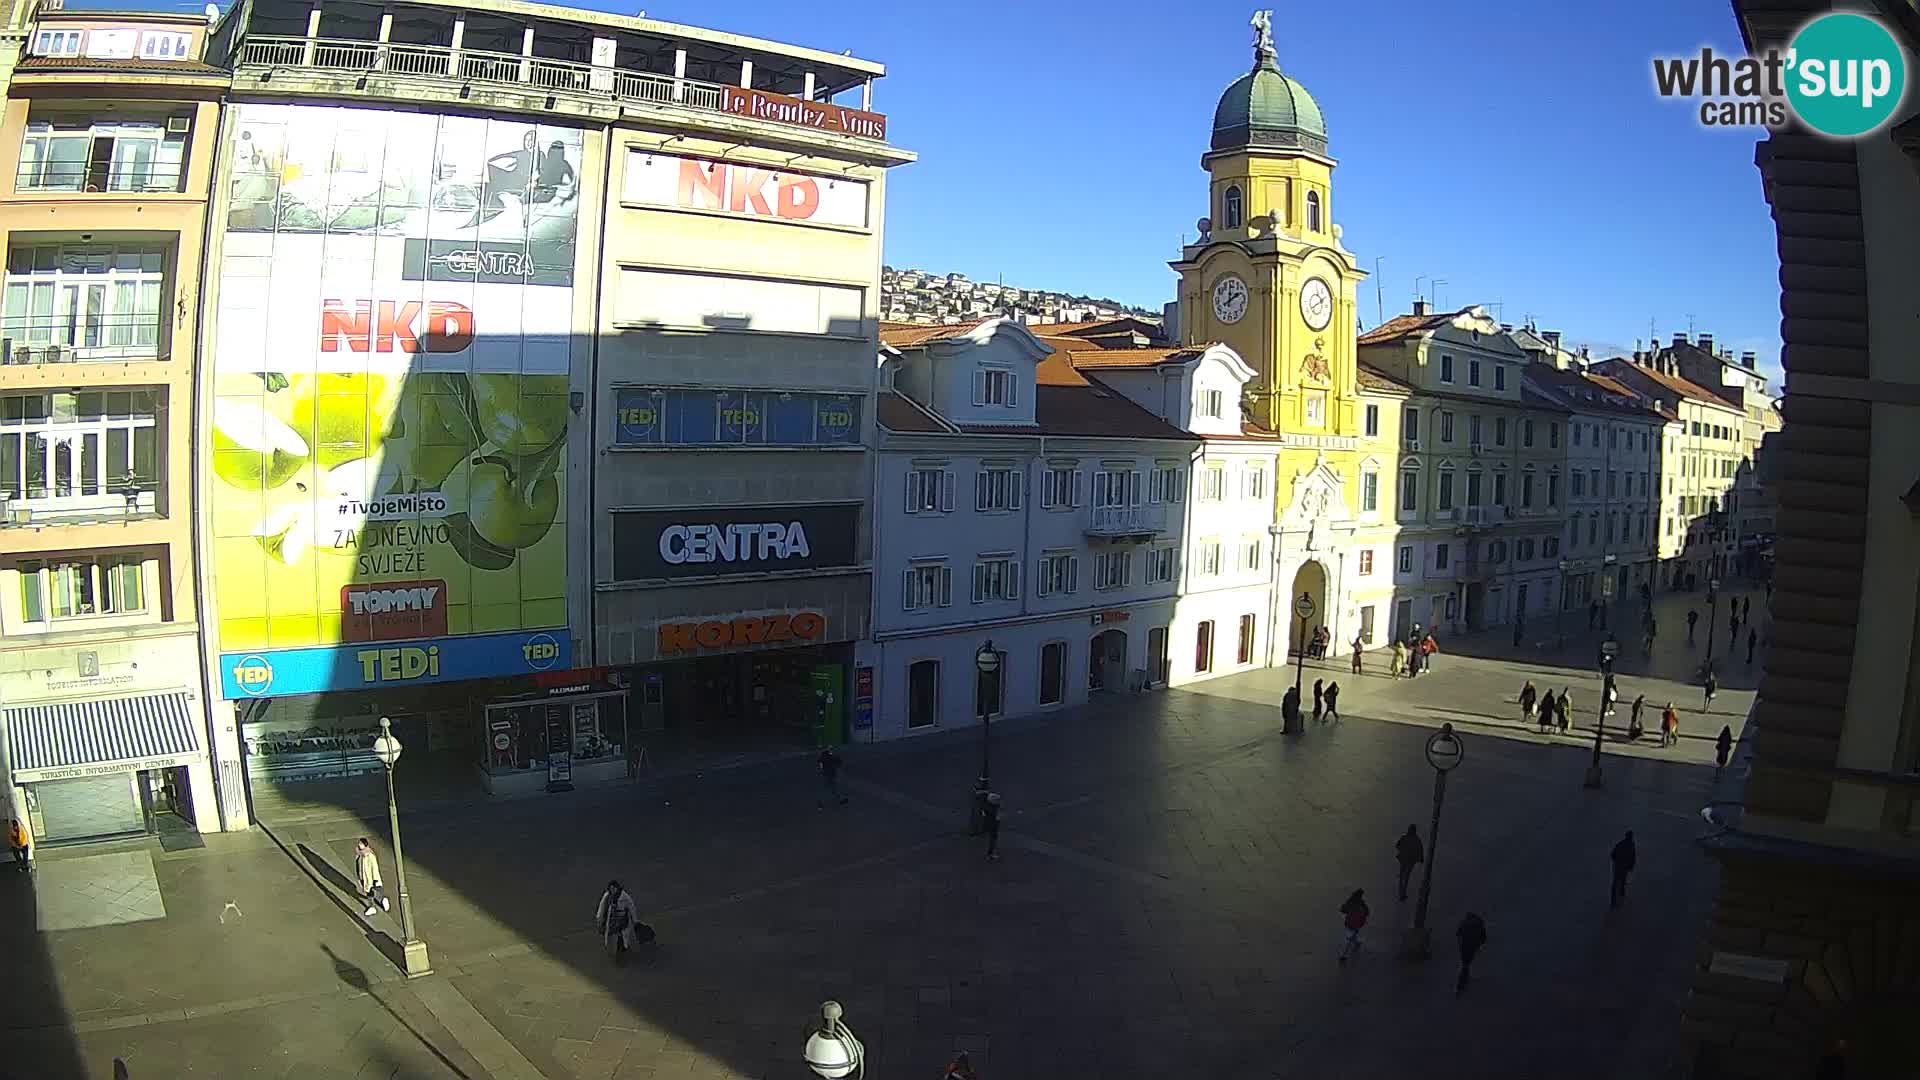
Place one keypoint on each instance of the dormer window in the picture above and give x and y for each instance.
(1230, 209)
(993, 386)
(1313, 211)
(1212, 404)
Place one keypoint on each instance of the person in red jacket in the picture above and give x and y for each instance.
(1355, 912)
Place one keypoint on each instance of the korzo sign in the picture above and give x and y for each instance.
(698, 542)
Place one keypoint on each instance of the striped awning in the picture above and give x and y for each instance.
(131, 731)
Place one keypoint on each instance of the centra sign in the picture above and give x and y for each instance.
(703, 541)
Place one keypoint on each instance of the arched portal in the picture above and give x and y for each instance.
(1309, 582)
(1107, 661)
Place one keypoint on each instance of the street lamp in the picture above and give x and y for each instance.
(1444, 752)
(1303, 608)
(1608, 650)
(986, 664)
(1560, 620)
(832, 1052)
(413, 950)
(1713, 612)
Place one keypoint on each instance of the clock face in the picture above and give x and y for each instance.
(1316, 303)
(1229, 299)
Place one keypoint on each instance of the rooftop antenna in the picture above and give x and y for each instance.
(1379, 300)
(1418, 293)
(1689, 327)
(1436, 283)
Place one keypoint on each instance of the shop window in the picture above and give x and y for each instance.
(923, 694)
(526, 737)
(1203, 647)
(1053, 672)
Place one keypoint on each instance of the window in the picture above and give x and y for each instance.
(1370, 492)
(1410, 424)
(57, 43)
(1250, 554)
(1243, 652)
(83, 453)
(1060, 487)
(1523, 550)
(1442, 555)
(1203, 647)
(1112, 570)
(1526, 433)
(1553, 489)
(84, 154)
(1446, 426)
(1593, 482)
(1231, 211)
(1473, 430)
(1366, 624)
(1313, 211)
(1593, 529)
(1404, 561)
(929, 490)
(1209, 551)
(1316, 405)
(1500, 377)
(1550, 547)
(1553, 435)
(1116, 487)
(1526, 491)
(1444, 500)
(1613, 438)
(1255, 480)
(1366, 561)
(1162, 564)
(1579, 483)
(1446, 368)
(996, 577)
(1473, 371)
(927, 585)
(1168, 484)
(1473, 487)
(1499, 431)
(82, 588)
(1053, 672)
(1497, 551)
(923, 693)
(1372, 420)
(1409, 490)
(1612, 519)
(1059, 573)
(158, 46)
(1644, 476)
(1643, 442)
(1212, 404)
(1613, 483)
(1575, 432)
(996, 489)
(993, 386)
(79, 303)
(1499, 489)
(1213, 484)
(1573, 532)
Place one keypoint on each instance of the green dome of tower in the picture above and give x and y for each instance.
(1265, 109)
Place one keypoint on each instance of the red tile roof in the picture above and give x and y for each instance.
(1683, 387)
(1095, 410)
(1372, 378)
(1404, 325)
(1131, 358)
(898, 412)
(129, 65)
(908, 335)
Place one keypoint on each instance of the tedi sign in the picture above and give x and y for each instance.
(693, 542)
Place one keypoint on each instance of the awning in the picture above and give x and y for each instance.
(88, 738)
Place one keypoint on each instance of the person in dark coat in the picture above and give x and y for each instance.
(1753, 638)
(1723, 746)
(990, 824)
(1528, 696)
(1333, 701)
(1692, 618)
(1633, 720)
(1472, 935)
(1354, 913)
(1409, 852)
(1319, 698)
(1624, 857)
(1290, 706)
(1712, 687)
(829, 763)
(1547, 712)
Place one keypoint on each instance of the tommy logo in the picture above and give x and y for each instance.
(393, 610)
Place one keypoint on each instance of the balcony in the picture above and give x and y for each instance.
(93, 177)
(1477, 517)
(83, 340)
(543, 75)
(126, 501)
(1124, 522)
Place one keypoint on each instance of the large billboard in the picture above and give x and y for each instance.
(390, 421)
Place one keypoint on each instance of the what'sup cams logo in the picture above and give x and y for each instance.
(1842, 75)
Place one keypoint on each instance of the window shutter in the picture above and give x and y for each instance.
(1016, 480)
(906, 591)
(980, 490)
(1013, 580)
(1073, 573)
(1079, 478)
(913, 503)
(946, 586)
(946, 490)
(1013, 389)
(979, 580)
(979, 388)
(1133, 488)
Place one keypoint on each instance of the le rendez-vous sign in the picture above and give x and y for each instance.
(822, 115)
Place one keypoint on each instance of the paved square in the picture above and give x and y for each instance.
(97, 890)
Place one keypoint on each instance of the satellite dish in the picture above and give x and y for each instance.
(213, 12)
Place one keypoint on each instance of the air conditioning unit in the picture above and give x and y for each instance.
(1413, 442)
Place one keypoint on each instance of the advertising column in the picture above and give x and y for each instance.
(390, 416)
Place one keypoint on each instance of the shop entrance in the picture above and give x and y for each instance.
(1107, 661)
(744, 701)
(83, 808)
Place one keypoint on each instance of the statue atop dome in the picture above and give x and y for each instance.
(1262, 23)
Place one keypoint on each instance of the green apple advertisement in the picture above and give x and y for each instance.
(389, 431)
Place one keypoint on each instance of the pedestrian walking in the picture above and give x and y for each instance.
(1354, 913)
(1563, 710)
(1319, 699)
(1753, 638)
(1333, 701)
(1593, 614)
(1548, 710)
(1670, 726)
(1472, 936)
(1398, 662)
(1359, 646)
(1528, 696)
(960, 1068)
(1692, 618)
(1634, 729)
(366, 871)
(1746, 609)
(1428, 649)
(1723, 746)
(1414, 658)
(990, 824)
(1290, 707)
(19, 843)
(1624, 856)
(1409, 852)
(1711, 686)
(617, 919)
(1608, 696)
(829, 763)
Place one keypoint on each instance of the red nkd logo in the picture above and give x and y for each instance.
(393, 610)
(389, 325)
(740, 190)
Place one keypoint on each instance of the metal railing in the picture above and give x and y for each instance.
(82, 176)
(129, 498)
(81, 340)
(477, 65)
(1126, 520)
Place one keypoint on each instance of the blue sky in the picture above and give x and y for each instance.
(1513, 148)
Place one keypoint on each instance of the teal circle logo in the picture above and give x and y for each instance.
(253, 675)
(1845, 74)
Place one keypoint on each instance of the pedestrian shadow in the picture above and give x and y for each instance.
(327, 871)
(356, 979)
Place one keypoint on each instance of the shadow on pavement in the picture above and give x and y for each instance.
(356, 979)
(37, 1041)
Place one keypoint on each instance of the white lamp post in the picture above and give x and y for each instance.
(986, 665)
(413, 950)
(832, 1051)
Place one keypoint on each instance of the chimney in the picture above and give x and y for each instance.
(1679, 339)
(1419, 307)
(1552, 337)
(1706, 344)
(1747, 359)
(1506, 327)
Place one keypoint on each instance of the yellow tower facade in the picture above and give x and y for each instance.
(1270, 278)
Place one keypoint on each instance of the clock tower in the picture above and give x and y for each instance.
(1268, 275)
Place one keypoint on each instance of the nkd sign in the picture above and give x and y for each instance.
(702, 541)
(654, 179)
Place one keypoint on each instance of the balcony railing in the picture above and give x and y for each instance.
(503, 69)
(118, 504)
(85, 340)
(57, 176)
(1126, 521)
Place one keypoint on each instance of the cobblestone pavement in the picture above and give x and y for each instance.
(1165, 906)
